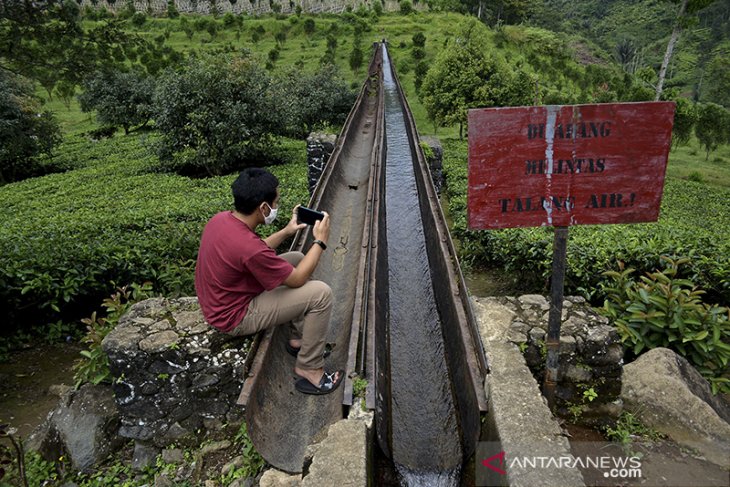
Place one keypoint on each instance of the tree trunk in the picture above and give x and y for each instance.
(461, 131)
(670, 48)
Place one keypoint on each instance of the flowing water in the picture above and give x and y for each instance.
(426, 446)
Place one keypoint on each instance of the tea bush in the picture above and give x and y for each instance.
(66, 237)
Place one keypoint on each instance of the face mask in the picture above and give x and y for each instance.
(268, 220)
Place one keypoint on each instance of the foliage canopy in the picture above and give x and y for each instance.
(214, 114)
(45, 40)
(119, 98)
(464, 76)
(26, 130)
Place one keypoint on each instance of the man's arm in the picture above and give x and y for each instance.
(301, 273)
(275, 239)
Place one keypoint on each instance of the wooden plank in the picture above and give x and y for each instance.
(567, 165)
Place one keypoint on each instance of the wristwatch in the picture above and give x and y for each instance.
(320, 243)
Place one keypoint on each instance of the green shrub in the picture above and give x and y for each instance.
(712, 127)
(663, 310)
(138, 19)
(229, 20)
(201, 23)
(685, 117)
(466, 75)
(128, 11)
(212, 29)
(185, 27)
(253, 463)
(280, 38)
(214, 115)
(418, 53)
(377, 8)
(696, 177)
(120, 99)
(316, 99)
(356, 57)
(405, 6)
(26, 131)
(404, 66)
(419, 74)
(94, 366)
(419, 40)
(172, 11)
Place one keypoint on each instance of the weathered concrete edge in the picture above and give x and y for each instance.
(348, 447)
(518, 416)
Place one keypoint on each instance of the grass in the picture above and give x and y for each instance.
(688, 162)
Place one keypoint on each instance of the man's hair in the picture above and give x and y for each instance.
(252, 187)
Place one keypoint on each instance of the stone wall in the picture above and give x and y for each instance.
(174, 376)
(591, 355)
(249, 7)
(319, 149)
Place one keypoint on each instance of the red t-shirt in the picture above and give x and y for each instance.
(234, 266)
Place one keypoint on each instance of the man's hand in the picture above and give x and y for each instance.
(292, 227)
(321, 230)
(301, 273)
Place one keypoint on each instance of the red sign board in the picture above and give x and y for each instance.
(567, 165)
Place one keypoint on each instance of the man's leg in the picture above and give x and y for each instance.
(310, 304)
(295, 336)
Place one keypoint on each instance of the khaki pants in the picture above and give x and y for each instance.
(306, 309)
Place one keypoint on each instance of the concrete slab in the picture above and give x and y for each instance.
(341, 459)
(518, 416)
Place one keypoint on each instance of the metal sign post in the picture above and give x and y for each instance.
(552, 342)
(566, 165)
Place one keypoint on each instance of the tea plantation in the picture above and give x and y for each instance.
(110, 217)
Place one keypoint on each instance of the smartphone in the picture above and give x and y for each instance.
(308, 215)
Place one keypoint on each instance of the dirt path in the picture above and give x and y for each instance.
(25, 378)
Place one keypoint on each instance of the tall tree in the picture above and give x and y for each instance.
(465, 76)
(44, 39)
(713, 127)
(687, 14)
(119, 98)
(718, 80)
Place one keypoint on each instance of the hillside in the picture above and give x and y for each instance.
(566, 70)
(635, 34)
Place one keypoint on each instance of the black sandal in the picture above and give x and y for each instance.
(327, 384)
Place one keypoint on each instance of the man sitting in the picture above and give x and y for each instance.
(244, 287)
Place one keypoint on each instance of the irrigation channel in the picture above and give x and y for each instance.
(401, 318)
